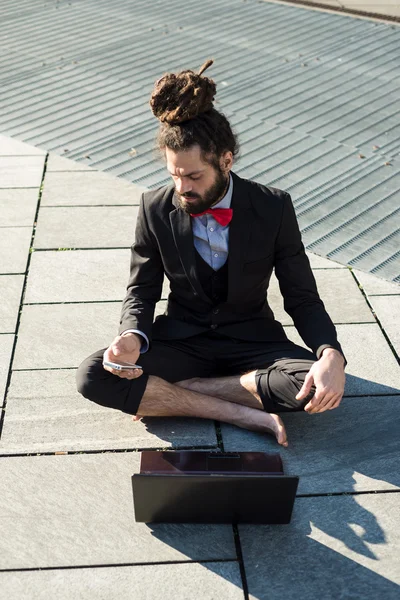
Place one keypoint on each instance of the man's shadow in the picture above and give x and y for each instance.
(332, 538)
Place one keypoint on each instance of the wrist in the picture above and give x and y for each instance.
(133, 335)
(332, 353)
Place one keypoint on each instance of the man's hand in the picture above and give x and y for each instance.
(327, 374)
(124, 349)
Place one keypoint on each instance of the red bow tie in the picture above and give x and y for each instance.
(223, 216)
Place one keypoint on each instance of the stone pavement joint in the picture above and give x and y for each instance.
(386, 310)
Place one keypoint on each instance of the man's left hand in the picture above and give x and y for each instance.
(327, 375)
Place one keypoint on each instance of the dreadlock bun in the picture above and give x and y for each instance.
(180, 97)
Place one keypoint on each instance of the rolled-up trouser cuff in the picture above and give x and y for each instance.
(278, 384)
(135, 394)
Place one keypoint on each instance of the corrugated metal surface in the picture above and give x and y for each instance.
(314, 97)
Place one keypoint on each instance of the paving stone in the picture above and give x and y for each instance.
(352, 448)
(79, 276)
(56, 336)
(86, 227)
(339, 292)
(335, 547)
(77, 509)
(45, 413)
(147, 582)
(18, 207)
(374, 286)
(21, 171)
(59, 163)
(372, 368)
(89, 187)
(6, 345)
(62, 335)
(387, 309)
(385, 8)
(12, 147)
(319, 262)
(10, 296)
(14, 249)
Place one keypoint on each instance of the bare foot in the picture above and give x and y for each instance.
(278, 429)
(255, 421)
(268, 423)
(136, 418)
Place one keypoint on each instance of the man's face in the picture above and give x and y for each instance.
(198, 184)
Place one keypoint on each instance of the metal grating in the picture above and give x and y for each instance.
(314, 98)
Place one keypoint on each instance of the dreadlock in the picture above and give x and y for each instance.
(183, 103)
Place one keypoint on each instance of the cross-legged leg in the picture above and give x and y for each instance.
(273, 387)
(152, 395)
(163, 399)
(241, 389)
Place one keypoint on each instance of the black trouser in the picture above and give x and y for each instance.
(281, 368)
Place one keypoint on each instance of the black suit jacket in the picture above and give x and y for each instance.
(263, 235)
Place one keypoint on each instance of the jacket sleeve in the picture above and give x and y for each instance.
(145, 279)
(298, 286)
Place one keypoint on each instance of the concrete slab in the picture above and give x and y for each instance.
(384, 8)
(6, 345)
(387, 309)
(375, 286)
(88, 188)
(352, 448)
(78, 276)
(12, 147)
(335, 547)
(59, 163)
(372, 368)
(14, 248)
(339, 292)
(10, 295)
(18, 207)
(174, 582)
(21, 171)
(75, 331)
(45, 413)
(62, 335)
(86, 227)
(160, 308)
(319, 262)
(78, 510)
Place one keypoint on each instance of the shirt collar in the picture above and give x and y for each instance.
(225, 202)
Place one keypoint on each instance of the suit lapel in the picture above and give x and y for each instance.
(182, 231)
(239, 237)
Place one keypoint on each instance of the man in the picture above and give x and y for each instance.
(217, 352)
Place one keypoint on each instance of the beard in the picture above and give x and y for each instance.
(203, 202)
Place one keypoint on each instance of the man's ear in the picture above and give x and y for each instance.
(226, 161)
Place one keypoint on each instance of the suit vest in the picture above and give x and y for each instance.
(214, 283)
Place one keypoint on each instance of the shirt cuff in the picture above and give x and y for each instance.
(145, 340)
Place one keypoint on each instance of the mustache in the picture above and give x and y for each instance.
(189, 196)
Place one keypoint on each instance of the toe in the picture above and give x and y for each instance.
(281, 436)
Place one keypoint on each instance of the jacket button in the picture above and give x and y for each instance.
(214, 326)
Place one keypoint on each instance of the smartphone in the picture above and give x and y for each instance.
(121, 367)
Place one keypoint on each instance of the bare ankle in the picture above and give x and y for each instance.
(248, 381)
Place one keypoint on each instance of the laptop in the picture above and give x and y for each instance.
(196, 486)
